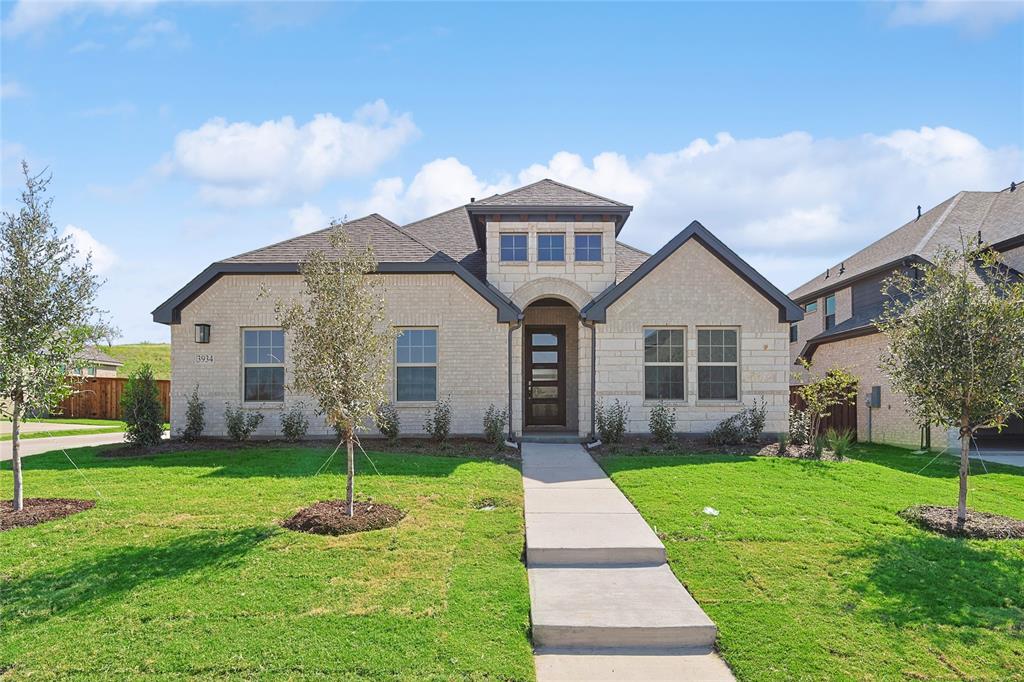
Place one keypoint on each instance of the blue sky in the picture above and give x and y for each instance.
(179, 134)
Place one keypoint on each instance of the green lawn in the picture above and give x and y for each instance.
(181, 570)
(158, 355)
(810, 575)
(57, 432)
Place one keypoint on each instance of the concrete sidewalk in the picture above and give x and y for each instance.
(604, 604)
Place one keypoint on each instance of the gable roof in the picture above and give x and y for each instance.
(999, 216)
(789, 311)
(451, 232)
(390, 244)
(397, 252)
(548, 192)
(94, 354)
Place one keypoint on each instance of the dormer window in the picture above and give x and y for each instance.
(513, 247)
(588, 247)
(550, 247)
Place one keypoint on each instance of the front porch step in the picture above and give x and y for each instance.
(565, 539)
(625, 608)
(703, 664)
(541, 437)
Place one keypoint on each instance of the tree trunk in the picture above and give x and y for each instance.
(965, 453)
(19, 499)
(350, 485)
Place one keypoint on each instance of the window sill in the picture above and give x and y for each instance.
(666, 403)
(415, 403)
(513, 262)
(560, 263)
(262, 404)
(719, 403)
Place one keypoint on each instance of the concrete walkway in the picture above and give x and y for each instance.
(603, 602)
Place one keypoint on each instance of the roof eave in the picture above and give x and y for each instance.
(852, 279)
(597, 310)
(169, 312)
(812, 344)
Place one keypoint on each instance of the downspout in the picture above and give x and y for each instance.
(511, 328)
(592, 326)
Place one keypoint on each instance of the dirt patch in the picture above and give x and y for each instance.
(978, 526)
(645, 445)
(453, 447)
(330, 517)
(39, 510)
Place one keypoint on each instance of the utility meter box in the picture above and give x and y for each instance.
(875, 398)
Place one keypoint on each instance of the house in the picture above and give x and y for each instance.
(506, 301)
(840, 304)
(96, 363)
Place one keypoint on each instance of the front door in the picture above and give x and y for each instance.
(545, 376)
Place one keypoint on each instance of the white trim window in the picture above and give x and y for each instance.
(416, 365)
(718, 367)
(263, 365)
(664, 364)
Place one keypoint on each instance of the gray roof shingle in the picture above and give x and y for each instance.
(549, 193)
(627, 259)
(452, 233)
(998, 215)
(94, 354)
(390, 244)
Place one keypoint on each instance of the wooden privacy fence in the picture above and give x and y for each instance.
(100, 398)
(843, 418)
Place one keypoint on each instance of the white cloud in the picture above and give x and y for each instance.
(12, 89)
(34, 16)
(791, 204)
(160, 31)
(246, 164)
(86, 46)
(103, 257)
(974, 16)
(307, 218)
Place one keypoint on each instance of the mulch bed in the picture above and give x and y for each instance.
(330, 517)
(800, 452)
(40, 509)
(978, 525)
(453, 447)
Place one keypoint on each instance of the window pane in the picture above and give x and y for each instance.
(544, 409)
(250, 355)
(545, 356)
(544, 392)
(264, 383)
(544, 340)
(588, 247)
(513, 247)
(551, 247)
(716, 383)
(663, 383)
(417, 383)
(545, 374)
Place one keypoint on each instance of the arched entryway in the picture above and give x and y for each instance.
(550, 367)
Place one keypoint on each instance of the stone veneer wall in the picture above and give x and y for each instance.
(694, 289)
(891, 423)
(593, 277)
(472, 349)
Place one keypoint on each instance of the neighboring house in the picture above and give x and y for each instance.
(840, 304)
(505, 301)
(98, 363)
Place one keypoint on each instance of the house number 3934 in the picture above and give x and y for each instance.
(204, 358)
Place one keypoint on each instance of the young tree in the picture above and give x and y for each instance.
(956, 344)
(340, 340)
(836, 388)
(47, 313)
(142, 410)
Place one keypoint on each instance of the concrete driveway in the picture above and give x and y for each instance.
(35, 446)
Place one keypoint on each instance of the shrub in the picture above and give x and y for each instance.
(439, 421)
(819, 446)
(663, 423)
(839, 442)
(195, 417)
(495, 421)
(241, 423)
(294, 423)
(611, 421)
(142, 410)
(746, 426)
(783, 442)
(388, 422)
(799, 426)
